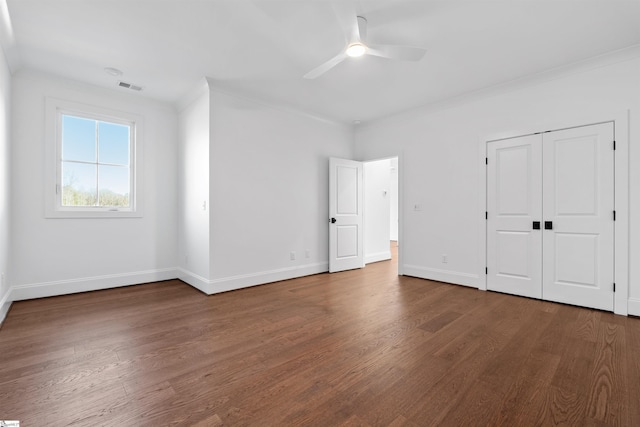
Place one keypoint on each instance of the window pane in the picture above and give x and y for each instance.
(78, 139)
(113, 143)
(114, 185)
(79, 187)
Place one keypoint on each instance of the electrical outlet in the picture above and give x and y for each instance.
(292, 256)
(445, 258)
(307, 253)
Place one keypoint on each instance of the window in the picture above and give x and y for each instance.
(95, 164)
(94, 152)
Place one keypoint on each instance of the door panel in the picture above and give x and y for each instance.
(513, 254)
(346, 249)
(578, 252)
(575, 176)
(577, 259)
(347, 244)
(514, 181)
(347, 196)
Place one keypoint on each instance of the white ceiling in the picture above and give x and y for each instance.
(262, 48)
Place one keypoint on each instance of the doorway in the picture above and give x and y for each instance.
(364, 212)
(381, 209)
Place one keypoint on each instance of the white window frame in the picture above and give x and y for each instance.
(55, 109)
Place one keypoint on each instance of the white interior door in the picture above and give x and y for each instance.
(578, 248)
(550, 224)
(514, 204)
(346, 235)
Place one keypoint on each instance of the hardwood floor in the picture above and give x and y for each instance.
(358, 348)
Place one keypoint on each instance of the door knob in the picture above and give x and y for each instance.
(548, 225)
(333, 220)
(536, 225)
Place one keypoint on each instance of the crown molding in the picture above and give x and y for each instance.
(610, 58)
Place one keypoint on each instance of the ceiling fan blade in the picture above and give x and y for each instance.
(318, 71)
(345, 12)
(362, 28)
(403, 53)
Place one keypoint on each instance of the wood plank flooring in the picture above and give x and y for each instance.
(358, 348)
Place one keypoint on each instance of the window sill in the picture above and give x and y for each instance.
(62, 214)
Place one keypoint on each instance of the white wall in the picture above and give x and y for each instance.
(5, 180)
(441, 146)
(269, 191)
(377, 210)
(193, 194)
(56, 256)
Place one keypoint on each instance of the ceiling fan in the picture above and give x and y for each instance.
(356, 34)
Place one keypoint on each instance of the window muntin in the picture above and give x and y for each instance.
(95, 162)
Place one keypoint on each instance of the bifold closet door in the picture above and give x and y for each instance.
(514, 206)
(578, 203)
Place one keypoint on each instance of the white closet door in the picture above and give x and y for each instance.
(578, 250)
(514, 203)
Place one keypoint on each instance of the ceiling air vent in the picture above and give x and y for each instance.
(129, 86)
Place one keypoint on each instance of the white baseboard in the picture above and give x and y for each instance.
(448, 276)
(5, 305)
(379, 256)
(200, 283)
(634, 306)
(215, 286)
(85, 284)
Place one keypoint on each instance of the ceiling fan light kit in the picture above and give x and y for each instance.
(355, 50)
(357, 47)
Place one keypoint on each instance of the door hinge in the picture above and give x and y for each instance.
(614, 287)
(486, 160)
(614, 215)
(614, 144)
(486, 270)
(486, 215)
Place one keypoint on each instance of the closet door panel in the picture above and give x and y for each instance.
(514, 197)
(578, 257)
